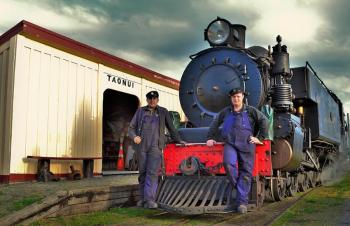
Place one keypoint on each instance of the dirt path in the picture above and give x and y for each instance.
(344, 218)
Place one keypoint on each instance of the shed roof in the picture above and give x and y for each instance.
(69, 45)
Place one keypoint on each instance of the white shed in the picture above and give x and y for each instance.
(58, 98)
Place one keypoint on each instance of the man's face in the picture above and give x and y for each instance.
(153, 102)
(237, 99)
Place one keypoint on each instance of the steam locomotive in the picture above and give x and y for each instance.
(308, 127)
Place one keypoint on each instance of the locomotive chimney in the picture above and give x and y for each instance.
(281, 58)
(238, 36)
(281, 91)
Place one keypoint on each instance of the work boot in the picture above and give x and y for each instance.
(242, 209)
(140, 203)
(151, 205)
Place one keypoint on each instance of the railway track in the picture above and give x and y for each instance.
(263, 216)
(290, 204)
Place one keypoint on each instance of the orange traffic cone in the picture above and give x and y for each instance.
(120, 163)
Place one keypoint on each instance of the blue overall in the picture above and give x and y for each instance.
(149, 157)
(236, 133)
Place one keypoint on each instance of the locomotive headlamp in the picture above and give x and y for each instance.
(218, 32)
(221, 32)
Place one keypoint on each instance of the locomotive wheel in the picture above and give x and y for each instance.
(278, 189)
(312, 178)
(292, 189)
(319, 180)
(303, 182)
(260, 193)
(268, 191)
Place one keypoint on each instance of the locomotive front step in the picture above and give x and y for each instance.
(192, 195)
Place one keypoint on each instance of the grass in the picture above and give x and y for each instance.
(124, 216)
(130, 216)
(320, 207)
(20, 204)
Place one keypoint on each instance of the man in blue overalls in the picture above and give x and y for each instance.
(147, 129)
(243, 126)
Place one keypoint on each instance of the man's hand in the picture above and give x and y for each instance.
(254, 140)
(137, 140)
(211, 143)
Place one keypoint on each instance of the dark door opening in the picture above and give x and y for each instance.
(118, 110)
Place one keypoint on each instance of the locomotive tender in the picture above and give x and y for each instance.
(307, 129)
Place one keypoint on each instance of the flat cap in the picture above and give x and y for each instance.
(235, 91)
(152, 94)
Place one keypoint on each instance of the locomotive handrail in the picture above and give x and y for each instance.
(193, 144)
(324, 85)
(250, 53)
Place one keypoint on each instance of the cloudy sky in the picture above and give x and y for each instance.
(161, 34)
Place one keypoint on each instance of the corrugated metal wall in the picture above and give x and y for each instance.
(55, 110)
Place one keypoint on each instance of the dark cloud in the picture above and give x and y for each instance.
(159, 28)
(336, 17)
(331, 47)
(167, 30)
(330, 50)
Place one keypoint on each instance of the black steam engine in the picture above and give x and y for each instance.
(307, 130)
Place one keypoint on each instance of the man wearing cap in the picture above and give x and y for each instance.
(147, 129)
(243, 126)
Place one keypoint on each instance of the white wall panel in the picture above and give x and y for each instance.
(63, 109)
(42, 110)
(7, 64)
(54, 75)
(56, 111)
(96, 120)
(4, 64)
(71, 103)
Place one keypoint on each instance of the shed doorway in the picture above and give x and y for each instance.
(118, 110)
